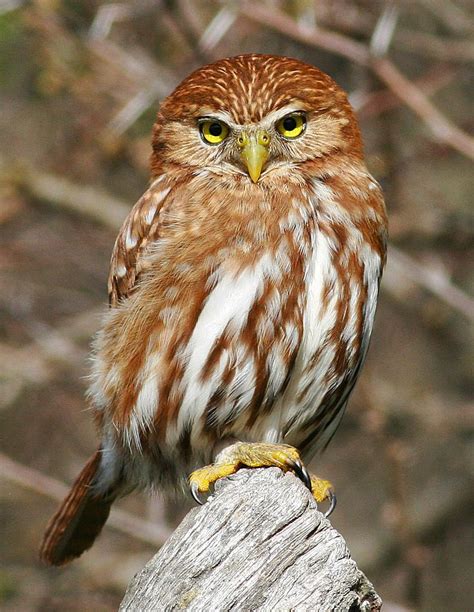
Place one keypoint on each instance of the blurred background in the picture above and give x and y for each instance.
(80, 85)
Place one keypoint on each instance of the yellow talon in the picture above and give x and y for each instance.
(323, 490)
(201, 480)
(256, 455)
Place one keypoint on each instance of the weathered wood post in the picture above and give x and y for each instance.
(259, 543)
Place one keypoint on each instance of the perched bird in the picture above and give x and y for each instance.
(243, 287)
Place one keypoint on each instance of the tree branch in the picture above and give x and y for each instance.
(259, 543)
(120, 520)
(441, 127)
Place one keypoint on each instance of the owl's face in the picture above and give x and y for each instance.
(254, 117)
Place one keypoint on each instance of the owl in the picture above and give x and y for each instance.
(243, 287)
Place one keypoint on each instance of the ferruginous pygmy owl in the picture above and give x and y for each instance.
(243, 287)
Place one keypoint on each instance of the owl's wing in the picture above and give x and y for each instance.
(139, 229)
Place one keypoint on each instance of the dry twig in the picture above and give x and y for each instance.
(433, 280)
(119, 520)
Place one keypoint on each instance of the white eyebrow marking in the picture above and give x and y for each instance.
(269, 119)
(282, 112)
(220, 115)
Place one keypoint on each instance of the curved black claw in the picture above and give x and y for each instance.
(195, 493)
(302, 473)
(332, 503)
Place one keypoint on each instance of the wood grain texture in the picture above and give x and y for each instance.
(259, 543)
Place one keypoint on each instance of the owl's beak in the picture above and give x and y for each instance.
(254, 151)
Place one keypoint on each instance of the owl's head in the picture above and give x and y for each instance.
(249, 116)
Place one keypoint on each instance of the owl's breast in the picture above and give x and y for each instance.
(202, 349)
(342, 284)
(263, 343)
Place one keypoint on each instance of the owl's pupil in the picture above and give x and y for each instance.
(215, 129)
(289, 124)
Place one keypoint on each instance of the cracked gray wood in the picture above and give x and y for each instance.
(259, 543)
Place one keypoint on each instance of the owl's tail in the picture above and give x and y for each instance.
(79, 519)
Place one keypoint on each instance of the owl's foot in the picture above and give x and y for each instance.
(322, 491)
(256, 455)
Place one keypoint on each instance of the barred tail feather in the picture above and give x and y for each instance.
(80, 518)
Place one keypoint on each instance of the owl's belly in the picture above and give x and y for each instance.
(337, 323)
(312, 362)
(270, 356)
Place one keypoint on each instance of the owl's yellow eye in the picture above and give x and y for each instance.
(213, 131)
(292, 125)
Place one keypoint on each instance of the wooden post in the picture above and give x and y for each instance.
(259, 543)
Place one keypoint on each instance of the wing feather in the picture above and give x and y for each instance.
(140, 228)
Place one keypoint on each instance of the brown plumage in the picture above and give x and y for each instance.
(79, 519)
(242, 286)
